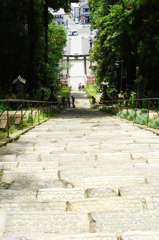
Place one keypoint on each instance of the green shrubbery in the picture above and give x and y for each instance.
(154, 123)
(91, 89)
(141, 117)
(28, 122)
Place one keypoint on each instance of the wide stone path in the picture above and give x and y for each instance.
(81, 175)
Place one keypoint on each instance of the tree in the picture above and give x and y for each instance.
(24, 40)
(127, 30)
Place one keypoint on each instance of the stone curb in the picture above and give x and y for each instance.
(13, 137)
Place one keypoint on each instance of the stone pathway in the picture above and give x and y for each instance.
(81, 175)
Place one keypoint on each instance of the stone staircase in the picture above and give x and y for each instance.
(81, 175)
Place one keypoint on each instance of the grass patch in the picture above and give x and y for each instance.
(91, 89)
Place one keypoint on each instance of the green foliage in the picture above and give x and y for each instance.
(154, 123)
(91, 89)
(46, 90)
(126, 31)
(141, 119)
(29, 34)
(121, 114)
(64, 91)
(109, 110)
(131, 115)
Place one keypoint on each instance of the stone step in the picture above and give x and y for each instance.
(138, 235)
(100, 193)
(83, 147)
(139, 191)
(7, 158)
(15, 150)
(124, 146)
(3, 219)
(155, 201)
(33, 205)
(18, 144)
(150, 155)
(9, 176)
(17, 195)
(54, 236)
(62, 158)
(43, 194)
(61, 194)
(44, 165)
(28, 169)
(100, 160)
(153, 161)
(48, 149)
(72, 173)
(115, 156)
(152, 180)
(103, 204)
(28, 158)
(38, 184)
(8, 165)
(115, 162)
(113, 182)
(119, 221)
(43, 222)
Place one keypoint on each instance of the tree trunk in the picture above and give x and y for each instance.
(46, 34)
(31, 34)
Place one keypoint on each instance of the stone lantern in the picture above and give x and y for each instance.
(52, 96)
(20, 82)
(141, 82)
(104, 93)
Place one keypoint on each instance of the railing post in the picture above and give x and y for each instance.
(127, 107)
(31, 114)
(7, 118)
(43, 112)
(22, 113)
(47, 111)
(135, 109)
(116, 108)
(148, 111)
(38, 112)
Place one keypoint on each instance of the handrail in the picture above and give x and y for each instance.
(137, 101)
(45, 106)
(24, 100)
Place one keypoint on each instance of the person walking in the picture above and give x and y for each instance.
(79, 86)
(68, 101)
(73, 101)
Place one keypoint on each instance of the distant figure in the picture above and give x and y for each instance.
(79, 86)
(73, 101)
(83, 87)
(68, 101)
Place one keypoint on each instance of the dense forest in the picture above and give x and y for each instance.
(30, 42)
(128, 37)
